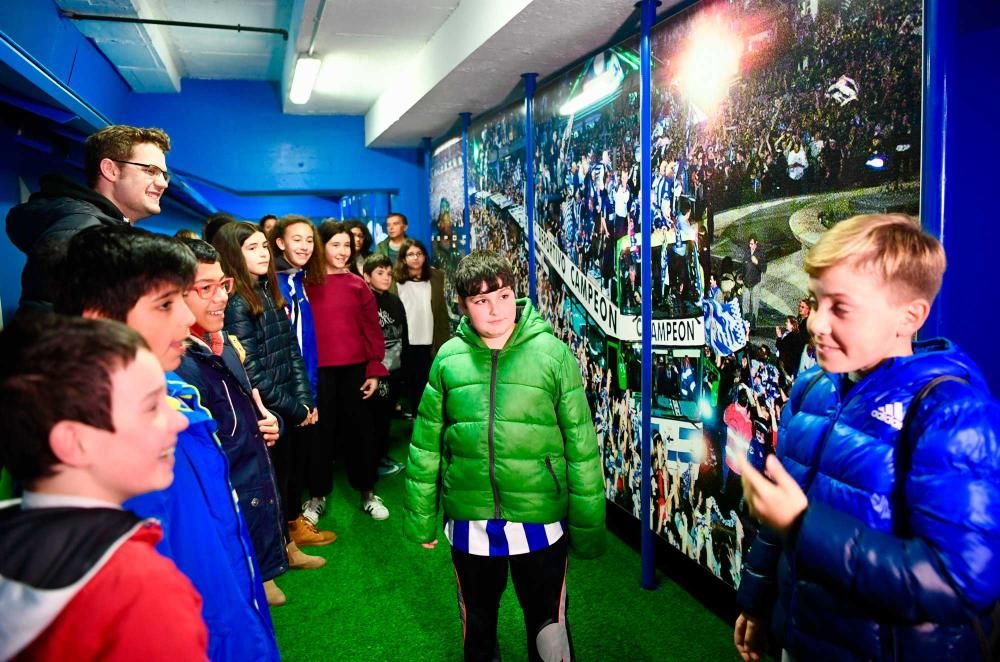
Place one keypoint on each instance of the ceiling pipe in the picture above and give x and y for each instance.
(77, 16)
(315, 34)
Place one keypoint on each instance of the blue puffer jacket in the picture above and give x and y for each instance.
(874, 572)
(205, 535)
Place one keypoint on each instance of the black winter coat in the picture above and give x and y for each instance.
(273, 362)
(42, 227)
(225, 392)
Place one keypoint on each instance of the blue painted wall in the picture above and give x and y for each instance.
(252, 207)
(55, 44)
(241, 154)
(233, 135)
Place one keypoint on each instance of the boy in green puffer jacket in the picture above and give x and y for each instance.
(504, 437)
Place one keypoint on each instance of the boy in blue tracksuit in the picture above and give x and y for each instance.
(881, 529)
(139, 278)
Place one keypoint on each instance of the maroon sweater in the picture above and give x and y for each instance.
(346, 319)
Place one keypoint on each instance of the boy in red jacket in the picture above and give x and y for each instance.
(88, 426)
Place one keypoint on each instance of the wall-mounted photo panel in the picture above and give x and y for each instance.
(586, 164)
(447, 205)
(496, 189)
(772, 121)
(679, 388)
(685, 458)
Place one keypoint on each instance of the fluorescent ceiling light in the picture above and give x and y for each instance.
(306, 71)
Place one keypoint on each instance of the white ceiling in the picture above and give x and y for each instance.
(408, 66)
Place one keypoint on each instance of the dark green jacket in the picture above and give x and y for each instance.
(506, 434)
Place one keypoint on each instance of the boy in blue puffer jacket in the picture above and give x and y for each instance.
(880, 531)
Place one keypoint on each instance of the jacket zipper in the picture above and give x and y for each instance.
(552, 472)
(231, 407)
(493, 401)
(279, 514)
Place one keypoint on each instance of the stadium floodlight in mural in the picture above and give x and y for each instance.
(447, 204)
(597, 85)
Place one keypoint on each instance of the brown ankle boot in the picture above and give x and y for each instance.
(297, 560)
(304, 533)
(275, 596)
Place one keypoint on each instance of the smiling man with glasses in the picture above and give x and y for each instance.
(126, 174)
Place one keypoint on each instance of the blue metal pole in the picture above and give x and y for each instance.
(648, 16)
(529, 180)
(938, 61)
(466, 224)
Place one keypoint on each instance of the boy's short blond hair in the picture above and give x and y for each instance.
(893, 246)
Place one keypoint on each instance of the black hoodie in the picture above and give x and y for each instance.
(42, 227)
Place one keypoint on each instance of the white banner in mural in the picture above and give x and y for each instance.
(688, 332)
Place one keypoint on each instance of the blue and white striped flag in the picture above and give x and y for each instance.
(687, 448)
(725, 330)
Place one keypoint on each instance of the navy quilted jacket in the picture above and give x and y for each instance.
(274, 361)
(885, 565)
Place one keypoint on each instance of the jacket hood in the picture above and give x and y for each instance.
(528, 324)
(281, 265)
(67, 547)
(59, 197)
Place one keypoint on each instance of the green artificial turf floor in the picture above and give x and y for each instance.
(381, 597)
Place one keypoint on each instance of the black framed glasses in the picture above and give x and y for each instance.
(153, 171)
(207, 290)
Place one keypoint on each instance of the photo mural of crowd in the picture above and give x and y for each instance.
(447, 205)
(771, 120)
(496, 183)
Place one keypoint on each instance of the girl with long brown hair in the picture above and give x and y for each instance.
(255, 315)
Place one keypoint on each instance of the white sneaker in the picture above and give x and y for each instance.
(313, 508)
(373, 506)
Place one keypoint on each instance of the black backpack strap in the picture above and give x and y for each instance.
(812, 382)
(989, 645)
(904, 452)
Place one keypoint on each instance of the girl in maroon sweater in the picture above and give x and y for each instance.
(350, 348)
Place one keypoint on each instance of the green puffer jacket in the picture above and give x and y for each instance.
(506, 434)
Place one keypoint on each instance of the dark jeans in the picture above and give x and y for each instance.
(417, 361)
(291, 458)
(383, 406)
(540, 583)
(346, 431)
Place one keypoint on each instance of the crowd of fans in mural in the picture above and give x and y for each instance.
(824, 103)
